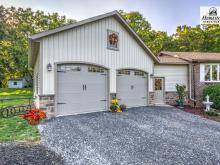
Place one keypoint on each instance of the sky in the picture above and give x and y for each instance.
(163, 15)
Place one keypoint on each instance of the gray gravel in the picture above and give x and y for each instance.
(147, 135)
(27, 154)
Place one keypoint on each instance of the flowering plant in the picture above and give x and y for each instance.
(34, 116)
(114, 107)
(114, 101)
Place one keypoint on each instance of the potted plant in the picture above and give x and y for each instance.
(181, 94)
(115, 107)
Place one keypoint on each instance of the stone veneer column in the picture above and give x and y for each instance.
(151, 98)
(171, 97)
(47, 103)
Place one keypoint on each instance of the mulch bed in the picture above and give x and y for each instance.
(27, 154)
(200, 112)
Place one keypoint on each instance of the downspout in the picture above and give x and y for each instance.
(194, 86)
(192, 80)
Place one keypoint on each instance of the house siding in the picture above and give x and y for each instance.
(173, 74)
(88, 43)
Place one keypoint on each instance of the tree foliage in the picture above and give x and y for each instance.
(15, 27)
(16, 24)
(155, 40)
(186, 38)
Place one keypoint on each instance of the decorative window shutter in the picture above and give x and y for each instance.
(202, 72)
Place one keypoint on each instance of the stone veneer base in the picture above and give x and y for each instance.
(47, 103)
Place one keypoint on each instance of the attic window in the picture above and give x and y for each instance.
(112, 40)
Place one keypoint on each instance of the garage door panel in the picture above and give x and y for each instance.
(132, 89)
(82, 90)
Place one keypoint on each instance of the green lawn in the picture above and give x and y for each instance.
(16, 128)
(16, 97)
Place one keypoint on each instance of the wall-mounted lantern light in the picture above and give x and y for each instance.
(151, 75)
(49, 67)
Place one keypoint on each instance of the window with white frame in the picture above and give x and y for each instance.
(212, 73)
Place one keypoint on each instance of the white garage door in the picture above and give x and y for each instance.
(81, 89)
(132, 88)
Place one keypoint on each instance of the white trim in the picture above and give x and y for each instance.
(202, 74)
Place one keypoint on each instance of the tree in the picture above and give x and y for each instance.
(15, 27)
(156, 41)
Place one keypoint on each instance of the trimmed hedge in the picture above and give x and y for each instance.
(214, 93)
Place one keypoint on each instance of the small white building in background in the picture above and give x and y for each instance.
(17, 83)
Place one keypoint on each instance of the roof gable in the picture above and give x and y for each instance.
(33, 38)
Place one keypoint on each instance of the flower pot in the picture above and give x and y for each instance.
(179, 103)
(33, 122)
(119, 110)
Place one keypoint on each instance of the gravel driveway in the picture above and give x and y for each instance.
(147, 135)
(27, 154)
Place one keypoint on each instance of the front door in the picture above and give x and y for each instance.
(159, 90)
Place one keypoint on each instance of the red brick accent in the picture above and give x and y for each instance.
(171, 97)
(197, 93)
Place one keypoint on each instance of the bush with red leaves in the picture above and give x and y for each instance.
(34, 116)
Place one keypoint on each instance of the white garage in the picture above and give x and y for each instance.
(80, 67)
(132, 87)
(81, 89)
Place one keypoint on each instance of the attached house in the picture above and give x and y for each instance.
(79, 68)
(193, 69)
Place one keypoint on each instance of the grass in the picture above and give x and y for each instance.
(17, 129)
(15, 97)
(212, 113)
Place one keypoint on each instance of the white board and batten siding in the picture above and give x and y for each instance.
(88, 44)
(173, 74)
(36, 80)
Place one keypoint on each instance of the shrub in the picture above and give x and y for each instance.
(212, 113)
(34, 116)
(214, 94)
(181, 91)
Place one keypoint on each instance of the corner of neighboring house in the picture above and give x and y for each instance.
(198, 84)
